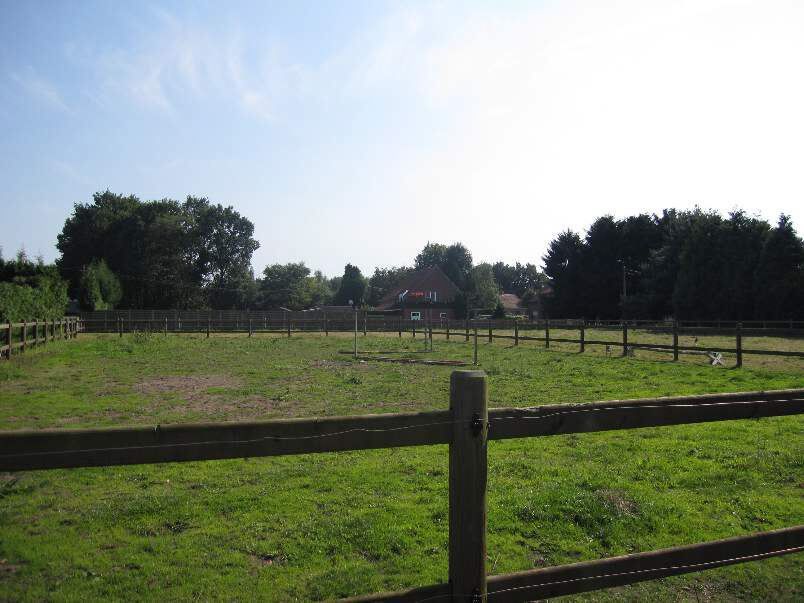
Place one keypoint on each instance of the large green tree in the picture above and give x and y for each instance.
(166, 254)
(562, 265)
(779, 278)
(455, 260)
(352, 287)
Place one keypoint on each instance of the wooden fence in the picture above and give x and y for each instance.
(170, 321)
(19, 336)
(467, 427)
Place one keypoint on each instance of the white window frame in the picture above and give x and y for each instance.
(415, 315)
(442, 315)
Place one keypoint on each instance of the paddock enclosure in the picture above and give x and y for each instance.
(507, 483)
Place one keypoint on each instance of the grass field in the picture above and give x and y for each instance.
(323, 526)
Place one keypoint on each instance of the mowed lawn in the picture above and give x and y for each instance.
(323, 526)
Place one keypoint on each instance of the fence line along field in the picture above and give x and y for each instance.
(768, 343)
(349, 523)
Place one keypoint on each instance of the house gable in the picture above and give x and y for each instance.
(426, 286)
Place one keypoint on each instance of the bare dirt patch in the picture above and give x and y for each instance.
(190, 387)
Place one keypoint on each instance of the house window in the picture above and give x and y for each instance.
(442, 315)
(415, 315)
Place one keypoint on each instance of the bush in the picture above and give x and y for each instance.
(100, 288)
(29, 291)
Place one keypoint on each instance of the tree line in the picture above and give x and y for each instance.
(121, 252)
(692, 264)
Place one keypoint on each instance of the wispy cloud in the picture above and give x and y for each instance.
(40, 89)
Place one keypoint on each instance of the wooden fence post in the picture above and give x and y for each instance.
(675, 339)
(365, 321)
(8, 340)
(209, 326)
(326, 326)
(249, 327)
(739, 337)
(288, 326)
(546, 332)
(625, 338)
(413, 325)
(583, 335)
(119, 325)
(24, 335)
(166, 326)
(36, 332)
(448, 329)
(475, 357)
(468, 470)
(516, 332)
(490, 333)
(466, 324)
(399, 324)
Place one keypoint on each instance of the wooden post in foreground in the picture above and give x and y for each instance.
(448, 329)
(365, 322)
(475, 357)
(8, 340)
(675, 340)
(466, 323)
(209, 326)
(546, 332)
(24, 335)
(468, 470)
(739, 340)
(516, 332)
(491, 335)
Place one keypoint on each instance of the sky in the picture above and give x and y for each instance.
(359, 131)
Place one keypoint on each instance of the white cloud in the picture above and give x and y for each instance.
(40, 89)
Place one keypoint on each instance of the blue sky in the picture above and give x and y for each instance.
(358, 131)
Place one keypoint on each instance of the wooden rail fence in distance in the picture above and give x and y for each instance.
(278, 323)
(35, 332)
(467, 427)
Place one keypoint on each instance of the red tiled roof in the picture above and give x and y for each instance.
(427, 279)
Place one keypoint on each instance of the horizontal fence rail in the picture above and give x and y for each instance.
(63, 448)
(19, 336)
(587, 576)
(467, 427)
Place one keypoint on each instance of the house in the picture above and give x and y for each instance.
(427, 295)
(512, 304)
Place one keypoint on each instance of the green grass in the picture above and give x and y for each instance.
(322, 526)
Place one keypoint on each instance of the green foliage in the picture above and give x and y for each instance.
(455, 260)
(100, 288)
(483, 293)
(352, 287)
(779, 281)
(562, 265)
(520, 279)
(30, 290)
(291, 286)
(499, 310)
(167, 254)
(383, 281)
(688, 264)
